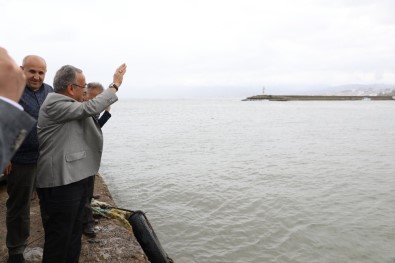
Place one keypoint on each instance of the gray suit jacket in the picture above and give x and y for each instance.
(14, 126)
(70, 140)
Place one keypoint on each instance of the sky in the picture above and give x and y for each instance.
(208, 48)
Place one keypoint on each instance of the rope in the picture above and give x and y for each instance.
(120, 214)
(115, 214)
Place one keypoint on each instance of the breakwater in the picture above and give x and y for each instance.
(315, 97)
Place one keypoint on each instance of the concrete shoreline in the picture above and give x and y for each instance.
(113, 243)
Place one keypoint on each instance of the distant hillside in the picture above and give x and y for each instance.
(359, 90)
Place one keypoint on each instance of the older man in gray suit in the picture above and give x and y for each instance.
(71, 145)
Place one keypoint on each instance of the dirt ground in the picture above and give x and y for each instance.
(113, 243)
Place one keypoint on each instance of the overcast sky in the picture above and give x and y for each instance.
(219, 48)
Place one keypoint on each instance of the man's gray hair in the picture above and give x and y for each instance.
(95, 85)
(65, 76)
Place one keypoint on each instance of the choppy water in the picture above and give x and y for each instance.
(233, 181)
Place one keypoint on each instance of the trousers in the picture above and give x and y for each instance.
(20, 186)
(88, 213)
(61, 211)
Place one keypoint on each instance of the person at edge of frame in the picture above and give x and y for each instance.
(15, 124)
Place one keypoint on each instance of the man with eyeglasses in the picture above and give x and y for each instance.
(93, 89)
(21, 171)
(71, 145)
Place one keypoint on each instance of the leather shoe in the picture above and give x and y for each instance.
(16, 258)
(89, 230)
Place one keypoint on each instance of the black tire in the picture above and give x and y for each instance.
(147, 238)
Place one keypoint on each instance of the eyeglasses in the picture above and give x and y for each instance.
(82, 87)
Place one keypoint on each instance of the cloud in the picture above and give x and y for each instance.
(179, 46)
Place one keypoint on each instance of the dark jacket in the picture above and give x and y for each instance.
(104, 118)
(31, 102)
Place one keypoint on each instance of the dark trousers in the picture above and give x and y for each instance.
(20, 185)
(88, 213)
(61, 212)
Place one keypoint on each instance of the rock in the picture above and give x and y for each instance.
(33, 254)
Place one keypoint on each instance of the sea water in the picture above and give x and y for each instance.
(258, 181)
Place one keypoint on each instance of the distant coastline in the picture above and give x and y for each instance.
(315, 97)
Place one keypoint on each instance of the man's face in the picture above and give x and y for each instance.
(34, 70)
(79, 89)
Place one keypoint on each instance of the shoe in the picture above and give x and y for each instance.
(16, 258)
(89, 231)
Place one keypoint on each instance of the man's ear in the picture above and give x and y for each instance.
(70, 89)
